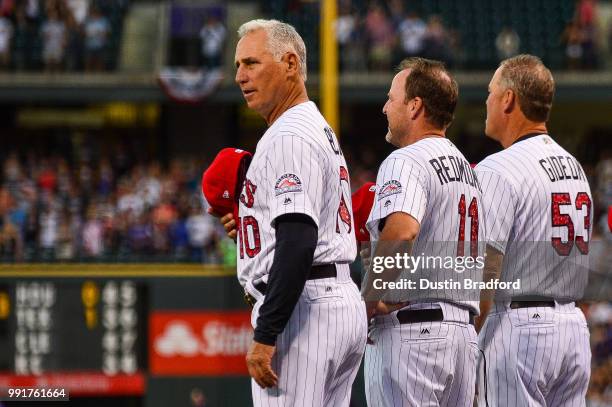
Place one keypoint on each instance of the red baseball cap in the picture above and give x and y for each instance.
(222, 180)
(363, 200)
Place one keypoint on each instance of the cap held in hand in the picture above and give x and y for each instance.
(222, 181)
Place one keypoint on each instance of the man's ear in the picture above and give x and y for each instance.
(509, 100)
(415, 106)
(292, 63)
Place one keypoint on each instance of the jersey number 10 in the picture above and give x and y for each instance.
(246, 226)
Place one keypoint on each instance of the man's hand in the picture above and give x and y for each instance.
(366, 260)
(374, 308)
(259, 363)
(228, 223)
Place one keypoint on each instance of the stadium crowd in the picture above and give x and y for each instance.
(50, 210)
(60, 35)
(375, 35)
(116, 210)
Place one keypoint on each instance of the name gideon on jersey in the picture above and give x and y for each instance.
(556, 170)
(456, 170)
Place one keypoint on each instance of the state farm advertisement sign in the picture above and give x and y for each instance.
(199, 343)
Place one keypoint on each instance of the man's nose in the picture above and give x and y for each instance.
(241, 76)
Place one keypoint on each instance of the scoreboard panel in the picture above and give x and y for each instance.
(78, 329)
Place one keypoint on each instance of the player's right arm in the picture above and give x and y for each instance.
(398, 233)
(399, 207)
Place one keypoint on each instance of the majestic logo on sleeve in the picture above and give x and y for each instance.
(389, 188)
(287, 183)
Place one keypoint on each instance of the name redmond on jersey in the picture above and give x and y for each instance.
(450, 284)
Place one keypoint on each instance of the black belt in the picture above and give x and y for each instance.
(316, 273)
(414, 316)
(527, 302)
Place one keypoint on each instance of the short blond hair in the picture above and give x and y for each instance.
(282, 38)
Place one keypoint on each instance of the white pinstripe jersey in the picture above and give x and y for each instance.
(539, 209)
(433, 182)
(298, 167)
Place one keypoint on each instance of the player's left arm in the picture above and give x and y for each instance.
(296, 240)
(295, 168)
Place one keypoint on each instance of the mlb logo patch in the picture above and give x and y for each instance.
(287, 183)
(390, 188)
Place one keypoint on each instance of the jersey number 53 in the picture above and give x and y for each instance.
(564, 220)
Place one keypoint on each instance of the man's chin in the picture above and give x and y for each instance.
(389, 139)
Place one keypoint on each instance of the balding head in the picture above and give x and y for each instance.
(532, 82)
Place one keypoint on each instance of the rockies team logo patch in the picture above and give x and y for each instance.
(287, 183)
(389, 188)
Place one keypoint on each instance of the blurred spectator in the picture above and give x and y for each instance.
(350, 43)
(212, 36)
(93, 237)
(437, 41)
(603, 173)
(128, 201)
(65, 238)
(74, 47)
(23, 39)
(11, 242)
(105, 178)
(586, 13)
(200, 229)
(599, 316)
(163, 216)
(507, 43)
(412, 32)
(54, 41)
(396, 13)
(586, 17)
(140, 235)
(97, 30)
(381, 38)
(573, 38)
(49, 225)
(7, 7)
(79, 9)
(179, 237)
(149, 188)
(32, 9)
(6, 36)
